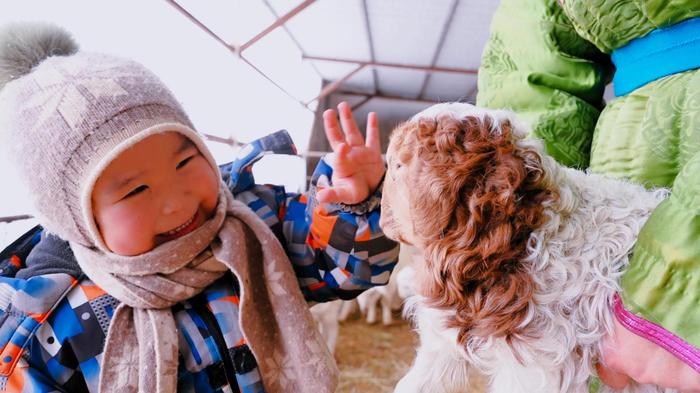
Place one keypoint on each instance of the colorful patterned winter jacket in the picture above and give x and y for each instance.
(550, 61)
(53, 319)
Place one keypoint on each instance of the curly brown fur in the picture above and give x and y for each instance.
(475, 203)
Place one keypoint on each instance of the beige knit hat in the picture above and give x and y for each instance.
(66, 114)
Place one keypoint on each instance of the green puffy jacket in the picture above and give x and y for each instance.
(550, 62)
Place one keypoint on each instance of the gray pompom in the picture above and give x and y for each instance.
(24, 45)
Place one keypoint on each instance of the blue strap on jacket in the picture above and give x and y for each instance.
(238, 173)
(661, 53)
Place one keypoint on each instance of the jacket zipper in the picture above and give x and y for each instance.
(210, 320)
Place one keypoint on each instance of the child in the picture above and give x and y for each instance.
(170, 279)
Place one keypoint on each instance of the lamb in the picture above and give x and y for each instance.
(522, 256)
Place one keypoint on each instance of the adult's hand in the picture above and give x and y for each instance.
(627, 356)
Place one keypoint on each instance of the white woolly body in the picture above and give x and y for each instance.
(576, 259)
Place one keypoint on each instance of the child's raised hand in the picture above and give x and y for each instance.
(357, 165)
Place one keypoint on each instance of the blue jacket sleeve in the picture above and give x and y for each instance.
(336, 252)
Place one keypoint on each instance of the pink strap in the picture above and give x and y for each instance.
(658, 335)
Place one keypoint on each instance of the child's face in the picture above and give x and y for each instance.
(158, 190)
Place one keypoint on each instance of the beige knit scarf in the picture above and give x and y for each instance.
(141, 348)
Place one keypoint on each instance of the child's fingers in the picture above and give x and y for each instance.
(333, 132)
(342, 164)
(352, 133)
(373, 141)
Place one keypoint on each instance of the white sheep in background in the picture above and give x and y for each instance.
(326, 317)
(387, 296)
(390, 297)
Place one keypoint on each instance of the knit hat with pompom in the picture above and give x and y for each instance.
(66, 114)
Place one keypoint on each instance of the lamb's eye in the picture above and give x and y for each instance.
(392, 172)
